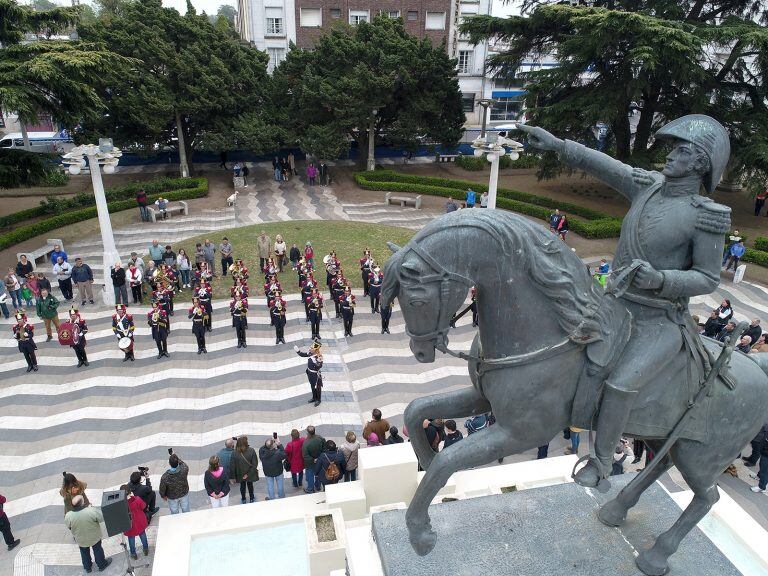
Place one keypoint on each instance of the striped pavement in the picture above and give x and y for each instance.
(102, 421)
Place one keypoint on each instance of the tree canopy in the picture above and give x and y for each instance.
(193, 80)
(48, 76)
(325, 96)
(672, 58)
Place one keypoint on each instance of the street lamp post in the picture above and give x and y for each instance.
(107, 155)
(372, 141)
(492, 147)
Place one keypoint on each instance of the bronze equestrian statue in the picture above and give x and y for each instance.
(628, 360)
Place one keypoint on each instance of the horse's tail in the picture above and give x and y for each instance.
(761, 360)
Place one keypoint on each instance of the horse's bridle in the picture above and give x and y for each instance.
(445, 277)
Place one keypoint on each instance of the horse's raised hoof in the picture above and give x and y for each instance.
(423, 540)
(652, 563)
(612, 514)
(588, 476)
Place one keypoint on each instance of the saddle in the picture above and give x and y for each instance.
(661, 403)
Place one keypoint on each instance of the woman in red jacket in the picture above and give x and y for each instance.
(294, 457)
(138, 522)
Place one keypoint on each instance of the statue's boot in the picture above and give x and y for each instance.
(614, 413)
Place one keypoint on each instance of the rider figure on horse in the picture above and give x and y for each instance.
(670, 249)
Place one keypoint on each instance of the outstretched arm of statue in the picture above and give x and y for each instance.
(617, 175)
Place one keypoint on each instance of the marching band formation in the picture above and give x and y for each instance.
(163, 282)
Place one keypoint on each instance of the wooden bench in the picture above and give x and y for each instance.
(447, 157)
(180, 207)
(41, 252)
(403, 200)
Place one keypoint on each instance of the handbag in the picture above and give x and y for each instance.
(286, 465)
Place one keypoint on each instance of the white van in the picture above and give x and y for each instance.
(51, 142)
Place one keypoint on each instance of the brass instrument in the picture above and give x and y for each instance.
(155, 316)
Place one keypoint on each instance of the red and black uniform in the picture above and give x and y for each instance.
(473, 306)
(239, 319)
(123, 327)
(306, 292)
(5, 527)
(271, 289)
(375, 280)
(197, 314)
(79, 330)
(347, 303)
(24, 333)
(314, 305)
(277, 312)
(337, 292)
(386, 314)
(205, 294)
(366, 265)
(158, 321)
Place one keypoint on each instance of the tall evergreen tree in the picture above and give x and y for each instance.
(327, 95)
(49, 76)
(193, 82)
(673, 58)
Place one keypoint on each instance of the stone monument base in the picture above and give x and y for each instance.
(551, 531)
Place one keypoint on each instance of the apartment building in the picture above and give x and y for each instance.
(271, 25)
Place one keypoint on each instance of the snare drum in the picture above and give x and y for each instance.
(124, 344)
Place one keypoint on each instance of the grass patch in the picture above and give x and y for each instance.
(508, 489)
(349, 239)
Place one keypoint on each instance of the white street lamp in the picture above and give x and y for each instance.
(107, 155)
(493, 148)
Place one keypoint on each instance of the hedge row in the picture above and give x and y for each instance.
(154, 187)
(463, 185)
(758, 257)
(597, 224)
(476, 164)
(26, 232)
(761, 243)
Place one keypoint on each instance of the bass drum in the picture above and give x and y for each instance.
(66, 334)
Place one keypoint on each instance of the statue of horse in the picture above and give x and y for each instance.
(539, 314)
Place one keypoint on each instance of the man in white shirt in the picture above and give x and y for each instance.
(63, 272)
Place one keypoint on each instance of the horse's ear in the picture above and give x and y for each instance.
(394, 247)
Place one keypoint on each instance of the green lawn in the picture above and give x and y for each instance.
(349, 239)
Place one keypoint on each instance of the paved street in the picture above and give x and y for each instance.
(103, 421)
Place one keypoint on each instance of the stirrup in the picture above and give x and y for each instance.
(603, 485)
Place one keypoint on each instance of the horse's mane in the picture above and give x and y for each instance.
(550, 263)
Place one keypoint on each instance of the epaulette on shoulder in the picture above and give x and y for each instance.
(711, 216)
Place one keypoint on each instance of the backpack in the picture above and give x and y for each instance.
(332, 473)
(479, 422)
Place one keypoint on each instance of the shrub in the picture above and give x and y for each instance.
(761, 243)
(753, 256)
(475, 164)
(24, 168)
(70, 217)
(55, 205)
(471, 163)
(597, 224)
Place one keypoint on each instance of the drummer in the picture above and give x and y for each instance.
(123, 327)
(79, 330)
(24, 333)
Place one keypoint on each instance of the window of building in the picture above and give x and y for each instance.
(469, 9)
(276, 55)
(464, 65)
(335, 12)
(274, 21)
(413, 15)
(357, 16)
(468, 102)
(507, 108)
(391, 13)
(311, 17)
(435, 21)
